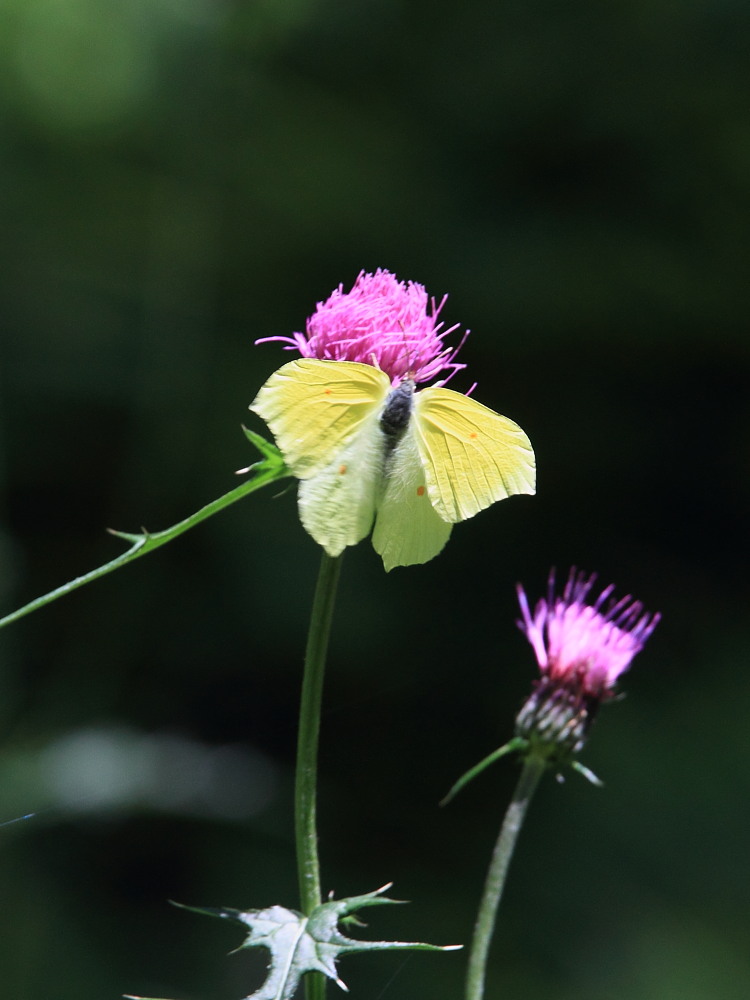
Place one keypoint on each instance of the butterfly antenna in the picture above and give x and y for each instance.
(409, 354)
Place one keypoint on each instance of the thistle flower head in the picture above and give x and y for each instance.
(585, 645)
(383, 322)
(582, 648)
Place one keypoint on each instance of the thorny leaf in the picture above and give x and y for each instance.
(299, 944)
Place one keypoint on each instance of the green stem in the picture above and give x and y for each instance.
(147, 542)
(308, 865)
(533, 769)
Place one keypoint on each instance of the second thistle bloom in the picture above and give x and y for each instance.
(582, 648)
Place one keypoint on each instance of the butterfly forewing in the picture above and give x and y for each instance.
(315, 408)
(472, 456)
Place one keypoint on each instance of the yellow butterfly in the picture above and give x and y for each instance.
(415, 462)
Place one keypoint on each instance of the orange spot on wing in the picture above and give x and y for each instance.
(473, 434)
(326, 392)
(420, 491)
(342, 470)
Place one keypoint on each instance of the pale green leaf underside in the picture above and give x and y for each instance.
(298, 944)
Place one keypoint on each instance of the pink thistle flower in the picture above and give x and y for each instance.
(383, 322)
(585, 645)
(582, 649)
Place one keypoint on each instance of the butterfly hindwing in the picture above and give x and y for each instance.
(471, 455)
(337, 503)
(408, 530)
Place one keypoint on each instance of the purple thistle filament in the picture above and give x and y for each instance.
(384, 322)
(582, 649)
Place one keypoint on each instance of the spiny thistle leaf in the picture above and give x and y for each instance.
(299, 944)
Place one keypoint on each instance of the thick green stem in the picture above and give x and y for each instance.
(308, 865)
(533, 769)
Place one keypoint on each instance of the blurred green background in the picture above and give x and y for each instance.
(180, 177)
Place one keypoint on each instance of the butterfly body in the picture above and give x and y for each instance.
(396, 411)
(414, 462)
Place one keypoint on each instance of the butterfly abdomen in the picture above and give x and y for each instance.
(397, 410)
